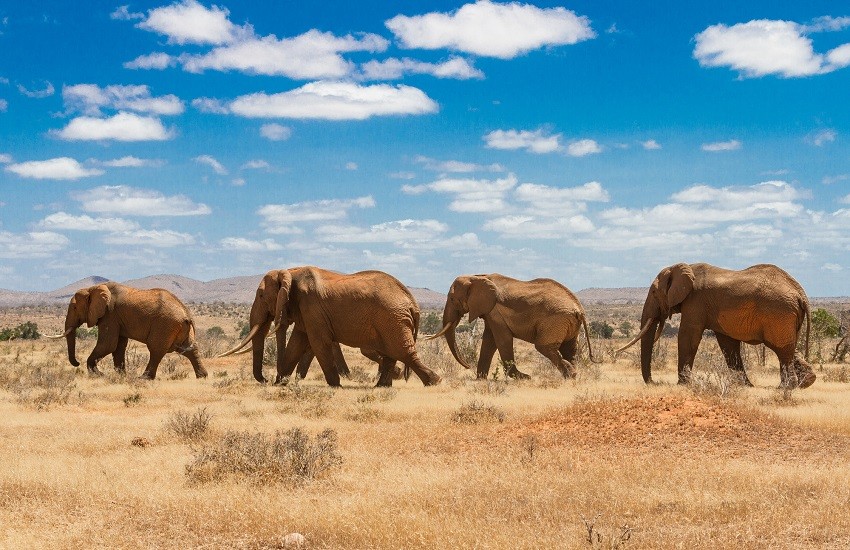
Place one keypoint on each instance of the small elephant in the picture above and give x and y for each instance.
(370, 310)
(761, 304)
(542, 312)
(154, 317)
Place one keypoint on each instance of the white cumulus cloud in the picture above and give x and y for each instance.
(583, 147)
(36, 244)
(189, 22)
(335, 101)
(240, 244)
(537, 141)
(62, 168)
(89, 99)
(120, 127)
(763, 47)
(400, 231)
(490, 29)
(132, 201)
(155, 60)
(470, 195)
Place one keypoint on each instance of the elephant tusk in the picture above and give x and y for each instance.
(643, 331)
(57, 336)
(244, 342)
(442, 332)
(658, 332)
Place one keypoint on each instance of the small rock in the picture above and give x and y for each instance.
(294, 540)
(141, 442)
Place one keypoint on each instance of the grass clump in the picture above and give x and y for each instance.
(476, 412)
(308, 401)
(41, 386)
(291, 457)
(189, 427)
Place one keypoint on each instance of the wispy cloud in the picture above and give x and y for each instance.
(393, 68)
(456, 166)
(275, 132)
(284, 218)
(535, 141)
(210, 161)
(47, 91)
(721, 146)
(69, 222)
(469, 195)
(90, 99)
(36, 244)
(132, 201)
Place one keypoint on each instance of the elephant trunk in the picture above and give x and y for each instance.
(451, 318)
(71, 325)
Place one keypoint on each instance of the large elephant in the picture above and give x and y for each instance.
(370, 310)
(154, 317)
(758, 305)
(341, 364)
(542, 312)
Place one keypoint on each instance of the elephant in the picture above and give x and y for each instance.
(154, 317)
(370, 310)
(542, 311)
(759, 304)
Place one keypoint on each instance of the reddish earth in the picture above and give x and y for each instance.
(717, 427)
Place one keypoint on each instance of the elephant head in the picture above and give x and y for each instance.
(665, 296)
(270, 304)
(473, 294)
(88, 305)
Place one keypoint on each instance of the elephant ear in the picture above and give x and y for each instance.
(483, 296)
(281, 321)
(681, 284)
(100, 299)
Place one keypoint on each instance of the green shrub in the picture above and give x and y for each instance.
(601, 329)
(24, 331)
(824, 324)
(215, 332)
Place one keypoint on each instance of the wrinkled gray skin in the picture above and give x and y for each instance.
(542, 312)
(759, 305)
(370, 310)
(154, 317)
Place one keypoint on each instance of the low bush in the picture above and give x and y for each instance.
(291, 457)
(24, 331)
(475, 412)
(189, 427)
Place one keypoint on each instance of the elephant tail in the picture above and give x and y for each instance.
(807, 313)
(587, 337)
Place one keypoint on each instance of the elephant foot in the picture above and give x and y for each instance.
(94, 371)
(432, 380)
(518, 375)
(807, 380)
(278, 380)
(147, 376)
(202, 373)
(384, 384)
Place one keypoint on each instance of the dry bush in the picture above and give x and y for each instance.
(41, 386)
(476, 412)
(291, 457)
(715, 379)
(781, 397)
(377, 395)
(132, 399)
(837, 374)
(189, 427)
(611, 540)
(487, 387)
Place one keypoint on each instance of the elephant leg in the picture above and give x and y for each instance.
(339, 361)
(731, 349)
(153, 363)
(428, 377)
(552, 353)
(293, 351)
(689, 339)
(385, 372)
(120, 354)
(304, 363)
(505, 345)
(485, 357)
(568, 349)
(106, 344)
(323, 348)
(195, 358)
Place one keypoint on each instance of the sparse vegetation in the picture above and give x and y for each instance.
(677, 465)
(601, 329)
(24, 331)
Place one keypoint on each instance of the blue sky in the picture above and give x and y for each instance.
(590, 142)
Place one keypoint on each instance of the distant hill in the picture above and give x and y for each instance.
(239, 290)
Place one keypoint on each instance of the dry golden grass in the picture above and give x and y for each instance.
(646, 467)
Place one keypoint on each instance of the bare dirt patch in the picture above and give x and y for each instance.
(716, 428)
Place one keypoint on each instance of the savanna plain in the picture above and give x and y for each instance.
(602, 461)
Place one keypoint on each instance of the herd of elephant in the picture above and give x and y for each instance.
(373, 311)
